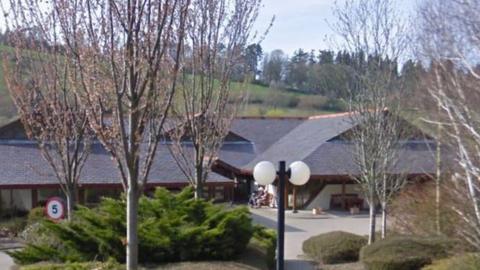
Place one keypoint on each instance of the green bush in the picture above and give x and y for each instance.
(171, 228)
(334, 247)
(336, 105)
(312, 102)
(278, 99)
(469, 261)
(404, 252)
(266, 241)
(35, 215)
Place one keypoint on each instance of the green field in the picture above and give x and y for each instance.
(257, 100)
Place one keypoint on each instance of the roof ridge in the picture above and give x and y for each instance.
(298, 133)
(274, 117)
(331, 115)
(312, 117)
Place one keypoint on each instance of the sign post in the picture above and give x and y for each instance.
(55, 208)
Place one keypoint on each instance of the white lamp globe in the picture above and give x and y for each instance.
(264, 173)
(300, 173)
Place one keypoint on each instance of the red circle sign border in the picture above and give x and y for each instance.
(58, 199)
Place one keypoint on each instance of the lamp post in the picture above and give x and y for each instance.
(265, 173)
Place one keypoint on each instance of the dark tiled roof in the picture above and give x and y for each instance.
(337, 158)
(301, 141)
(312, 140)
(264, 132)
(22, 164)
(237, 154)
(260, 133)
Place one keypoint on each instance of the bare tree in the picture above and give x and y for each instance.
(375, 31)
(216, 38)
(124, 57)
(49, 110)
(450, 40)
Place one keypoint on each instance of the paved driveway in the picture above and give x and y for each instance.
(302, 225)
(6, 262)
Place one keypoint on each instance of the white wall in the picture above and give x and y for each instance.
(323, 198)
(22, 199)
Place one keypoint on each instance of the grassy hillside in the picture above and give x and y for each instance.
(266, 101)
(260, 100)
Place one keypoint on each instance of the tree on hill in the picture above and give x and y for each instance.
(273, 67)
(253, 54)
(297, 69)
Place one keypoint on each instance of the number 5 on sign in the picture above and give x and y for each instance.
(54, 209)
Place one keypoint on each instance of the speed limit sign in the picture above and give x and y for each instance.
(55, 208)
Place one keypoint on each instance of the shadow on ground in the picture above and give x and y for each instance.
(299, 265)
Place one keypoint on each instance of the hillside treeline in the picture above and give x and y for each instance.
(329, 73)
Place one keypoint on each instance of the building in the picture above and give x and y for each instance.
(26, 180)
(321, 143)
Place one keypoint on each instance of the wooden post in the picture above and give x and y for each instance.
(344, 203)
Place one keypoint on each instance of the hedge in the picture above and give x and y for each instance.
(469, 261)
(334, 247)
(404, 252)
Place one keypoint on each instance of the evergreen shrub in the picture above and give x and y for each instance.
(468, 261)
(171, 228)
(334, 247)
(266, 241)
(35, 215)
(404, 252)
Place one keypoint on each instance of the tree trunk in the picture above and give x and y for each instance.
(198, 191)
(71, 201)
(438, 161)
(437, 207)
(372, 216)
(198, 183)
(132, 221)
(384, 221)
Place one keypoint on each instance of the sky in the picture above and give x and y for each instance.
(302, 23)
(299, 23)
